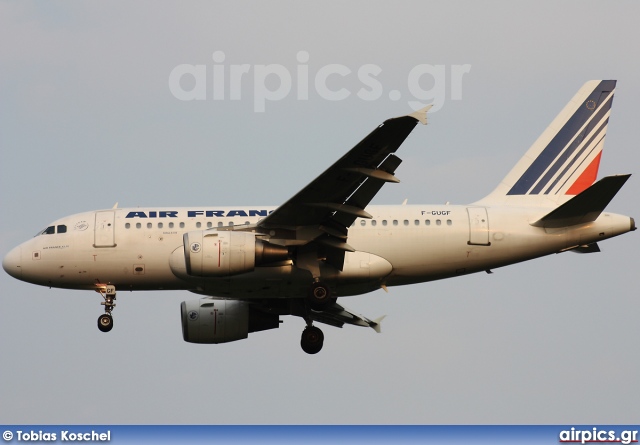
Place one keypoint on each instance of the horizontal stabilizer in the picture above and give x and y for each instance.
(586, 206)
(589, 248)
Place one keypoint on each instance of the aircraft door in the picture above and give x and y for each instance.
(104, 232)
(478, 226)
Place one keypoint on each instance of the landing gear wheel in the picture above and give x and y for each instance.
(105, 322)
(312, 340)
(319, 297)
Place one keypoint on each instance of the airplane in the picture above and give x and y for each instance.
(251, 265)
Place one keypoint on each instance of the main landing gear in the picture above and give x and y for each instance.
(312, 339)
(105, 321)
(318, 299)
(319, 296)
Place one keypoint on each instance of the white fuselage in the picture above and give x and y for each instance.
(131, 248)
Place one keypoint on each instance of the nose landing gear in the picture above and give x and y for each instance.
(105, 321)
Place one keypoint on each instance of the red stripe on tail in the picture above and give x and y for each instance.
(587, 177)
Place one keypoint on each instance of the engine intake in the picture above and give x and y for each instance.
(224, 253)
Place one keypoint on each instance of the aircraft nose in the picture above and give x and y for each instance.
(12, 263)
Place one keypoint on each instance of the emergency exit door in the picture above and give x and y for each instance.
(478, 226)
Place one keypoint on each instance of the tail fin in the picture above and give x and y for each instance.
(564, 160)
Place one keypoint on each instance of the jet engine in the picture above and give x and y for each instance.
(210, 320)
(213, 253)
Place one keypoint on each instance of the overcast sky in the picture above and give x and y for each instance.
(89, 117)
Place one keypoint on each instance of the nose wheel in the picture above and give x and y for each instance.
(105, 321)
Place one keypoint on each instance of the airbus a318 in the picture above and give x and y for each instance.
(251, 265)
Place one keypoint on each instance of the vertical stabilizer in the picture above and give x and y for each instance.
(564, 160)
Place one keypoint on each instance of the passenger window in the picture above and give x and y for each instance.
(209, 225)
(182, 225)
(374, 222)
(427, 222)
(406, 222)
(438, 222)
(138, 225)
(449, 222)
(417, 222)
(198, 224)
(220, 224)
(363, 222)
(62, 229)
(230, 223)
(171, 225)
(160, 225)
(149, 225)
(127, 226)
(395, 222)
(384, 222)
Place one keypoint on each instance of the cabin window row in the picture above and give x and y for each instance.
(172, 225)
(406, 222)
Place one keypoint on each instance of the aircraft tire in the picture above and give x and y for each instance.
(105, 322)
(312, 340)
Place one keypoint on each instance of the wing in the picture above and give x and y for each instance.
(336, 315)
(324, 209)
(264, 315)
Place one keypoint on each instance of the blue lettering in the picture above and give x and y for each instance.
(136, 215)
(196, 213)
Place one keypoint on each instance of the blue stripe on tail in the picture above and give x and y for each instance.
(552, 151)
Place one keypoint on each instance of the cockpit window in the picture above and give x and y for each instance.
(49, 230)
(52, 229)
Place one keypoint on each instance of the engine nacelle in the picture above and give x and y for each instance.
(214, 321)
(219, 321)
(213, 253)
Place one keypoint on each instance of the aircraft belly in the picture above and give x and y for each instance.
(263, 282)
(291, 282)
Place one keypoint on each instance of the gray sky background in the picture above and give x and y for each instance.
(87, 119)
